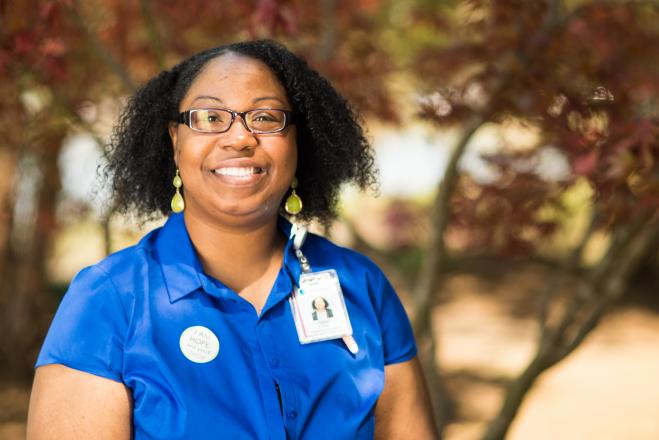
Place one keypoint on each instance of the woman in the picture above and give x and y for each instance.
(192, 332)
(321, 310)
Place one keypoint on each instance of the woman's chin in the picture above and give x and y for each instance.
(239, 212)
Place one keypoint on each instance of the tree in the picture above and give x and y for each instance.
(584, 76)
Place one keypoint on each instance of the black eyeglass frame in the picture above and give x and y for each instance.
(184, 118)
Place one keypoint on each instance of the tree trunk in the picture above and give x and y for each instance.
(515, 395)
(430, 274)
(7, 173)
(25, 291)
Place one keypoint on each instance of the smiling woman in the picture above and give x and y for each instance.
(203, 329)
(227, 179)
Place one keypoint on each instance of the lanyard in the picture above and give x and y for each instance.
(299, 235)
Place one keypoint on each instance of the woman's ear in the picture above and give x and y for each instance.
(172, 128)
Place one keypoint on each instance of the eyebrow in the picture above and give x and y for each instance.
(212, 98)
(263, 98)
(267, 98)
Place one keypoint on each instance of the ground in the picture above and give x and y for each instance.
(606, 390)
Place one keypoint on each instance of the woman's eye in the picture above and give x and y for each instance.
(270, 116)
(213, 117)
(264, 117)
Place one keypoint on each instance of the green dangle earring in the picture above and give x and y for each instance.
(293, 203)
(178, 204)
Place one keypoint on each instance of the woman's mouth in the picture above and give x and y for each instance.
(239, 176)
(238, 171)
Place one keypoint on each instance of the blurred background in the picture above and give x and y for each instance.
(518, 209)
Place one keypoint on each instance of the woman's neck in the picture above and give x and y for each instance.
(237, 256)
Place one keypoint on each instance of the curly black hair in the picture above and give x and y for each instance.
(332, 148)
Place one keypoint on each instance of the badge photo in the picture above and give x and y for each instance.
(319, 309)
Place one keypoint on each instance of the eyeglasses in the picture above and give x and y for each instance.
(219, 120)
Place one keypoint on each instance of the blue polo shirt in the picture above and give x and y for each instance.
(123, 319)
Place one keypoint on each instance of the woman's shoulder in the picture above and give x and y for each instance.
(93, 317)
(138, 254)
(120, 264)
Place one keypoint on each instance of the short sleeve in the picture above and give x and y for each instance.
(88, 330)
(397, 335)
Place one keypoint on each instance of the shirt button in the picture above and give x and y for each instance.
(292, 414)
(274, 362)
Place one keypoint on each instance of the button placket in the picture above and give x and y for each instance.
(274, 354)
(268, 380)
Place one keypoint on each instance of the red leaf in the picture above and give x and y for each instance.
(47, 10)
(54, 47)
(24, 42)
(586, 163)
(266, 14)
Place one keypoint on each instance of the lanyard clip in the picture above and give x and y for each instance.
(303, 261)
(299, 235)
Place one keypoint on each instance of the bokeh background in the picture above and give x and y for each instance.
(518, 210)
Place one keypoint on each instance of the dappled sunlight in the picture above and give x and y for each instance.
(481, 344)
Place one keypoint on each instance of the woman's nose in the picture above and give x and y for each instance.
(238, 136)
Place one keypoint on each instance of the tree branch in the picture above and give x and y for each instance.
(429, 275)
(615, 286)
(328, 39)
(601, 272)
(152, 31)
(566, 268)
(637, 243)
(102, 52)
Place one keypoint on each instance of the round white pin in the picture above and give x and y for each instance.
(199, 344)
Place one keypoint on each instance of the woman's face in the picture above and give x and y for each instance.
(235, 178)
(319, 304)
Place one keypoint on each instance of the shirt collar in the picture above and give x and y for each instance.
(179, 261)
(182, 268)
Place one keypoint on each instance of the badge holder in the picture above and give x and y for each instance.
(317, 303)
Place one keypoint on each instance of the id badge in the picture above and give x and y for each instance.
(319, 310)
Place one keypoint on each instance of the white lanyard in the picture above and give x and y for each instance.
(318, 306)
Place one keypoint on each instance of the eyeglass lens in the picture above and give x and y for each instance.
(217, 120)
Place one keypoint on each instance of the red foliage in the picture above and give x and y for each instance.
(77, 49)
(587, 78)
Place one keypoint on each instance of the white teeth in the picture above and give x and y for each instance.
(238, 171)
